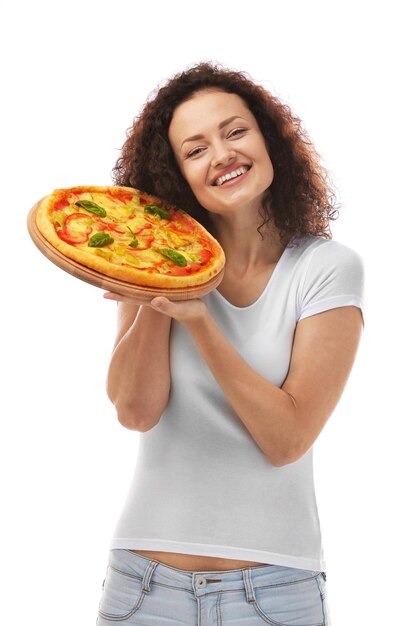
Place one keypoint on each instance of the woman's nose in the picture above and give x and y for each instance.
(222, 155)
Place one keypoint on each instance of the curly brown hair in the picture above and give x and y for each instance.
(300, 200)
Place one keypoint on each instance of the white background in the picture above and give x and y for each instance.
(73, 77)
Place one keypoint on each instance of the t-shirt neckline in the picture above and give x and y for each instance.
(277, 269)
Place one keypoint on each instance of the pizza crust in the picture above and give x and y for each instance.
(141, 277)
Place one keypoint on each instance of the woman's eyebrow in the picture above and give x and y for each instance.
(221, 125)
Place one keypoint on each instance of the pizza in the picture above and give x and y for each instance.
(129, 235)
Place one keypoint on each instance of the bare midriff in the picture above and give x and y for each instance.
(195, 563)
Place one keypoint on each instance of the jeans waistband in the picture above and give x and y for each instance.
(200, 583)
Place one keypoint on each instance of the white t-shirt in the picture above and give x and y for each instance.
(202, 485)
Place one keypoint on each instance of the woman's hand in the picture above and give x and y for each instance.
(185, 311)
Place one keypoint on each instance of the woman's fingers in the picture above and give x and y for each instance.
(181, 310)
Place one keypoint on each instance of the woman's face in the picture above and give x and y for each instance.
(221, 152)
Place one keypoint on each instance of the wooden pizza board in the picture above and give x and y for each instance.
(108, 283)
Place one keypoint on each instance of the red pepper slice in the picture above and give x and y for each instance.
(62, 234)
(73, 238)
(61, 204)
(205, 256)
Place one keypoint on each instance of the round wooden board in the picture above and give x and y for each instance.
(107, 282)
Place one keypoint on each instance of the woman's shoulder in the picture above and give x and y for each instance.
(318, 249)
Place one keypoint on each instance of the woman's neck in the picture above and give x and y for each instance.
(243, 244)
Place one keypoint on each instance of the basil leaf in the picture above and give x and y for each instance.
(88, 205)
(98, 240)
(173, 255)
(156, 210)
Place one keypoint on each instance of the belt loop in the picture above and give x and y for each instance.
(247, 581)
(148, 576)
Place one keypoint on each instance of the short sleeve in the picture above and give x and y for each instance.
(334, 277)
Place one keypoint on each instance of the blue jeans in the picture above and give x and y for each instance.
(141, 592)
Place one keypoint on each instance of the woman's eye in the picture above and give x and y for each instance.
(194, 152)
(236, 132)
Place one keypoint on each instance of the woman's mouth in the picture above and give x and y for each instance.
(239, 171)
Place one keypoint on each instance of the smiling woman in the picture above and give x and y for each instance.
(230, 391)
(300, 199)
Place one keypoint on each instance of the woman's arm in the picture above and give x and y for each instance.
(139, 379)
(284, 421)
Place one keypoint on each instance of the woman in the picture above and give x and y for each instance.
(230, 391)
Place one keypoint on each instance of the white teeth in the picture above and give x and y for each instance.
(234, 174)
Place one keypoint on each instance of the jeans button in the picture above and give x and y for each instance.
(201, 582)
